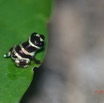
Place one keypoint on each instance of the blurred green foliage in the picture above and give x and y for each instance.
(18, 19)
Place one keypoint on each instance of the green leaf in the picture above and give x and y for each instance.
(18, 19)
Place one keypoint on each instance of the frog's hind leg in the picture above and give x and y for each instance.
(24, 63)
(8, 55)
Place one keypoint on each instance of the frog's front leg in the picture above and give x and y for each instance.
(35, 60)
(22, 62)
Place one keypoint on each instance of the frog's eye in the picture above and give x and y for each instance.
(42, 36)
(41, 39)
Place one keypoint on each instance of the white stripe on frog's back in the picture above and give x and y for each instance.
(33, 44)
(26, 52)
(18, 56)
